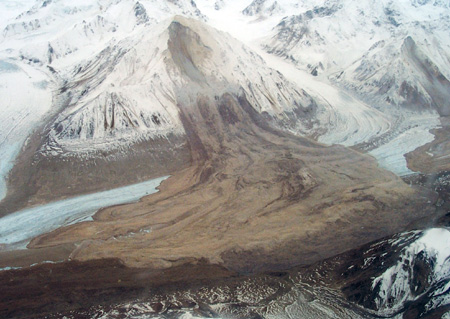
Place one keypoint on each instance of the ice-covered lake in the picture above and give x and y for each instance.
(17, 229)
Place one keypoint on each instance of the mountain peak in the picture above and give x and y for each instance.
(187, 49)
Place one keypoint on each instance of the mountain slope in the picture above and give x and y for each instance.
(403, 276)
(397, 57)
(126, 99)
(411, 79)
(65, 36)
(182, 98)
(150, 68)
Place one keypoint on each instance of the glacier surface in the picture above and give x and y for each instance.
(17, 229)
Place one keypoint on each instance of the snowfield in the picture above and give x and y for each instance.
(9, 9)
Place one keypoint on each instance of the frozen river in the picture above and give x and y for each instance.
(17, 229)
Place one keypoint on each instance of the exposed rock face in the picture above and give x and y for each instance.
(413, 81)
(432, 89)
(140, 13)
(404, 275)
(254, 8)
(219, 4)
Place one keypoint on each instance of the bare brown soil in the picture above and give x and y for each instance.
(255, 199)
(51, 288)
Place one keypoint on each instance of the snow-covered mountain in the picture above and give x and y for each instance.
(410, 79)
(402, 276)
(422, 272)
(130, 91)
(115, 78)
(40, 45)
(120, 82)
(385, 52)
(60, 33)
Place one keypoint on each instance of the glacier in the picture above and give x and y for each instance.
(17, 229)
(26, 97)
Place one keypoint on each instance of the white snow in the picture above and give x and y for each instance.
(437, 240)
(10, 9)
(9, 268)
(25, 97)
(249, 29)
(231, 20)
(395, 282)
(17, 229)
